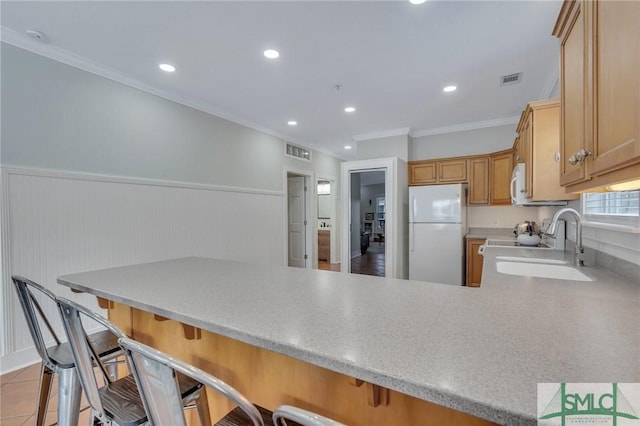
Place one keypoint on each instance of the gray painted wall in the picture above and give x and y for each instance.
(392, 146)
(470, 142)
(58, 117)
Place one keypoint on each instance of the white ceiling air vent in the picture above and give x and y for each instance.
(505, 80)
(298, 152)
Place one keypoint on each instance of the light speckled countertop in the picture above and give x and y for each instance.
(477, 350)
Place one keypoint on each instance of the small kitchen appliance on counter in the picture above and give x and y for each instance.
(545, 241)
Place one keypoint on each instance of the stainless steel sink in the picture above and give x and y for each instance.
(540, 270)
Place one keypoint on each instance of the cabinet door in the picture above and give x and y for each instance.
(479, 180)
(616, 50)
(452, 171)
(517, 151)
(474, 263)
(573, 113)
(423, 173)
(526, 137)
(500, 169)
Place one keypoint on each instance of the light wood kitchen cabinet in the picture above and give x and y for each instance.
(517, 152)
(441, 171)
(479, 180)
(600, 93)
(500, 169)
(324, 247)
(539, 132)
(474, 262)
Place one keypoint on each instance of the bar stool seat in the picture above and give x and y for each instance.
(105, 343)
(121, 399)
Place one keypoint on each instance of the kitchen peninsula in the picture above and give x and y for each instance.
(377, 351)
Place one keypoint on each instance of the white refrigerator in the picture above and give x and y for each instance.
(437, 227)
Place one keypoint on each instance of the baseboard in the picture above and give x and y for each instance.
(17, 360)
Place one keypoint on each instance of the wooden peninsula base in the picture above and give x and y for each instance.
(270, 379)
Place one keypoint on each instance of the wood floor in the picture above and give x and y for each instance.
(19, 396)
(370, 263)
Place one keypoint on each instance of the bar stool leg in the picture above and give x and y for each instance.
(46, 377)
(69, 394)
(202, 405)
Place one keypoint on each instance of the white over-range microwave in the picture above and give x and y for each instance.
(519, 190)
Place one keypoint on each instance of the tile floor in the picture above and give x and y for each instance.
(19, 393)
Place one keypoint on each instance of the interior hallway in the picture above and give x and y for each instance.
(370, 263)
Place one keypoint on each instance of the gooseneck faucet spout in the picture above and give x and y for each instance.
(552, 230)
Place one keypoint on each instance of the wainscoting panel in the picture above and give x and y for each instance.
(60, 223)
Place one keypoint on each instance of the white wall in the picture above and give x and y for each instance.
(391, 146)
(469, 142)
(98, 174)
(58, 117)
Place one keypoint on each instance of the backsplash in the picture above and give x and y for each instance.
(505, 216)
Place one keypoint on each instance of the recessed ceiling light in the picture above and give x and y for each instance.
(349, 109)
(347, 147)
(167, 67)
(271, 54)
(417, 1)
(450, 89)
(292, 123)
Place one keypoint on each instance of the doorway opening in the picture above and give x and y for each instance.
(298, 235)
(326, 248)
(368, 211)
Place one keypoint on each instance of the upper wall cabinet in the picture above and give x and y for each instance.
(539, 139)
(479, 180)
(441, 171)
(500, 167)
(600, 92)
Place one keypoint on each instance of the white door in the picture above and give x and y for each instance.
(297, 220)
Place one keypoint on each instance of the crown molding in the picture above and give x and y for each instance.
(402, 131)
(467, 126)
(55, 53)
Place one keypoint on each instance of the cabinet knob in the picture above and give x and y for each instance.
(578, 157)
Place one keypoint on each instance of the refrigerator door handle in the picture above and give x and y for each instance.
(412, 204)
(411, 237)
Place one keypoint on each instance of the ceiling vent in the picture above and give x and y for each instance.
(298, 152)
(508, 79)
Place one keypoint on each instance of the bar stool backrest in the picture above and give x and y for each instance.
(84, 353)
(155, 374)
(32, 311)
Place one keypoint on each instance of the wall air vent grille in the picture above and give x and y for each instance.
(298, 152)
(505, 80)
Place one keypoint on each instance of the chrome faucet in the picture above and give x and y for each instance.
(552, 230)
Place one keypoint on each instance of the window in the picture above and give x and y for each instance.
(618, 208)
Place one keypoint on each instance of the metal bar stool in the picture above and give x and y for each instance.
(58, 357)
(118, 401)
(155, 374)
